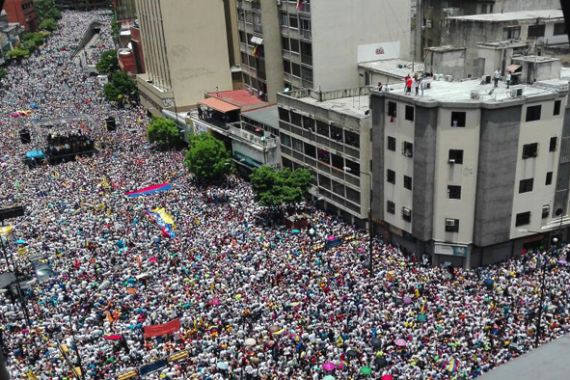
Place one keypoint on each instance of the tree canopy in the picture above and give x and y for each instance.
(108, 63)
(18, 53)
(48, 24)
(121, 88)
(207, 158)
(276, 187)
(164, 133)
(46, 9)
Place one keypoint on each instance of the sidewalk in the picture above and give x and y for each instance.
(548, 362)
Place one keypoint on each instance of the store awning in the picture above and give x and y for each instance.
(218, 105)
(513, 68)
(256, 40)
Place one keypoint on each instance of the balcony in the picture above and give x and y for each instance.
(306, 35)
(258, 142)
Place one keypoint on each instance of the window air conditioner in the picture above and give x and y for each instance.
(406, 211)
(450, 222)
(451, 161)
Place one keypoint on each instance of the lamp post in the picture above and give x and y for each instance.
(370, 245)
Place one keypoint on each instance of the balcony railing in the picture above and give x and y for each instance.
(268, 143)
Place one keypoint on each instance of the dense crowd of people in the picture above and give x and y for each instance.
(255, 301)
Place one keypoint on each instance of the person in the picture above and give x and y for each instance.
(497, 77)
(380, 86)
(508, 78)
(409, 83)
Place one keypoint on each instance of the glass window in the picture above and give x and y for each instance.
(308, 123)
(293, 21)
(286, 66)
(352, 195)
(337, 161)
(285, 43)
(533, 113)
(391, 143)
(285, 139)
(284, 19)
(338, 188)
(283, 114)
(535, 31)
(324, 182)
(458, 119)
(454, 192)
(391, 176)
(522, 219)
(512, 33)
(553, 141)
(295, 45)
(530, 150)
(351, 138)
(322, 128)
(408, 182)
(451, 225)
(352, 167)
(392, 109)
(390, 207)
(525, 185)
(410, 113)
(310, 150)
(548, 179)
(456, 156)
(336, 133)
(407, 149)
(324, 156)
(559, 28)
(295, 118)
(296, 69)
(557, 107)
(297, 144)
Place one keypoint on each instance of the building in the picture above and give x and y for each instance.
(185, 52)
(540, 29)
(9, 35)
(248, 126)
(22, 12)
(431, 19)
(468, 173)
(329, 134)
(387, 71)
(295, 44)
(83, 4)
(124, 10)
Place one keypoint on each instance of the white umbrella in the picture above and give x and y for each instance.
(250, 342)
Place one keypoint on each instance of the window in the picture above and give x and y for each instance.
(336, 133)
(408, 149)
(410, 113)
(408, 182)
(285, 140)
(305, 24)
(286, 66)
(352, 195)
(391, 176)
(322, 128)
(392, 143)
(456, 156)
(293, 21)
(458, 119)
(352, 167)
(548, 179)
(392, 109)
(535, 31)
(310, 150)
(390, 207)
(337, 161)
(296, 70)
(324, 156)
(545, 211)
(530, 150)
(295, 46)
(324, 182)
(559, 28)
(351, 138)
(525, 185)
(522, 219)
(451, 225)
(285, 43)
(454, 192)
(557, 107)
(406, 214)
(297, 144)
(284, 19)
(308, 123)
(338, 188)
(283, 114)
(552, 147)
(512, 33)
(295, 118)
(533, 113)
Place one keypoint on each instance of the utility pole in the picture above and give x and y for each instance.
(418, 34)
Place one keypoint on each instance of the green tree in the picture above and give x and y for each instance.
(108, 63)
(48, 24)
(31, 41)
(165, 133)
(207, 158)
(121, 88)
(18, 53)
(277, 187)
(46, 9)
(3, 73)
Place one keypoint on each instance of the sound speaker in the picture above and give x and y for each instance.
(11, 212)
(25, 136)
(111, 124)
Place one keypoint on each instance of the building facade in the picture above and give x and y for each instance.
(468, 175)
(185, 52)
(83, 4)
(329, 134)
(22, 12)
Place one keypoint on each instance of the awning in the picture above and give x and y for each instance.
(218, 105)
(512, 68)
(256, 40)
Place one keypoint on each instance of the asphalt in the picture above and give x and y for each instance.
(548, 362)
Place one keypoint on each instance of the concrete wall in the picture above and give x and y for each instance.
(377, 105)
(340, 26)
(447, 62)
(197, 48)
(272, 48)
(502, 6)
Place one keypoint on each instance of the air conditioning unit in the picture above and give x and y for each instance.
(475, 95)
(449, 78)
(406, 211)
(451, 161)
(518, 92)
(545, 210)
(450, 222)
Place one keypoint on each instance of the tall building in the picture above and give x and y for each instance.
(83, 4)
(185, 52)
(22, 12)
(124, 9)
(317, 44)
(470, 173)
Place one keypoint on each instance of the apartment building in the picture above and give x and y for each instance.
(22, 12)
(329, 134)
(468, 173)
(317, 44)
(185, 52)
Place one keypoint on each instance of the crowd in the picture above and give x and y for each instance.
(254, 301)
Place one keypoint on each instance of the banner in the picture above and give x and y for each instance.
(6, 230)
(150, 190)
(164, 220)
(164, 329)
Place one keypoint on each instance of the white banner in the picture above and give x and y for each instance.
(375, 52)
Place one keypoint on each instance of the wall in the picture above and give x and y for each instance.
(354, 22)
(197, 48)
(502, 6)
(447, 62)
(272, 49)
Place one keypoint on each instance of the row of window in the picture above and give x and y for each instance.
(391, 178)
(406, 212)
(526, 185)
(393, 111)
(531, 150)
(339, 189)
(407, 147)
(523, 218)
(295, 22)
(322, 128)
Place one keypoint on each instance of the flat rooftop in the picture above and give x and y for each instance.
(266, 115)
(460, 92)
(535, 59)
(396, 68)
(512, 16)
(355, 106)
(565, 73)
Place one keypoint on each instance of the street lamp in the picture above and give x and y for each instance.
(370, 253)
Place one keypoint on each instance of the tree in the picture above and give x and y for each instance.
(108, 63)
(3, 73)
(277, 187)
(46, 9)
(164, 132)
(31, 41)
(207, 158)
(18, 53)
(121, 88)
(48, 24)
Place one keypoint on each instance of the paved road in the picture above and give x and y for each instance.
(549, 362)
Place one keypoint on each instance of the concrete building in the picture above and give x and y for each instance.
(83, 4)
(295, 44)
(185, 52)
(539, 29)
(125, 9)
(9, 35)
(329, 134)
(433, 14)
(468, 173)
(387, 71)
(22, 12)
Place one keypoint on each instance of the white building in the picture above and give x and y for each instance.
(468, 173)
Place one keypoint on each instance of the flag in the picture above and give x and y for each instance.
(164, 329)
(451, 365)
(300, 5)
(149, 190)
(255, 51)
(6, 230)
(164, 220)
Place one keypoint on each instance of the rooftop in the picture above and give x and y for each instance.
(535, 59)
(240, 98)
(512, 16)
(266, 115)
(565, 73)
(444, 48)
(461, 92)
(396, 68)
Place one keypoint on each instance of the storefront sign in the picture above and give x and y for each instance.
(451, 250)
